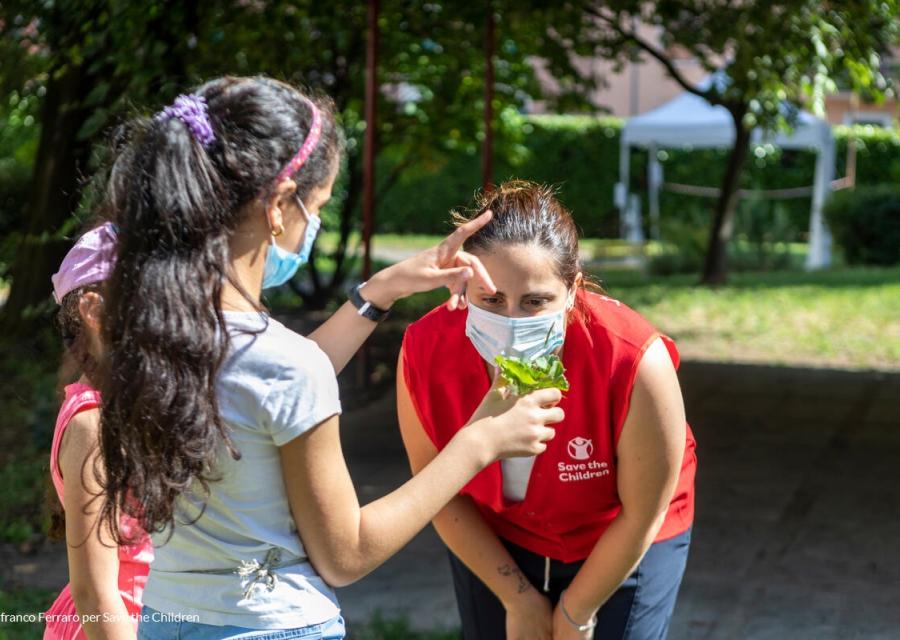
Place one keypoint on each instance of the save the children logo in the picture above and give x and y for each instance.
(580, 448)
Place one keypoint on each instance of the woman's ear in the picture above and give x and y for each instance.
(578, 284)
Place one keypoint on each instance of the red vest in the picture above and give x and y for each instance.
(571, 496)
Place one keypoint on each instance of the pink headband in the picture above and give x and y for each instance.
(90, 260)
(312, 139)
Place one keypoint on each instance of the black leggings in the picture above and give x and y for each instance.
(640, 609)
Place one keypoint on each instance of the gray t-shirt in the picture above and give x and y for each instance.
(274, 386)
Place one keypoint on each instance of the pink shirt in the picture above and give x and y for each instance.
(134, 560)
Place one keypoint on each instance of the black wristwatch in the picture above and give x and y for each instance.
(365, 308)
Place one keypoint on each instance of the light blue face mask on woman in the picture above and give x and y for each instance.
(281, 265)
(526, 338)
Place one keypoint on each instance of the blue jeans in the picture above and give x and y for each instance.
(152, 627)
(640, 609)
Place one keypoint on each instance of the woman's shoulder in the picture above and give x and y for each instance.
(627, 334)
(612, 317)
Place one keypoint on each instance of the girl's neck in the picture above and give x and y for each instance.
(233, 300)
(247, 265)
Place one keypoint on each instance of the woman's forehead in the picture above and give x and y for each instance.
(519, 268)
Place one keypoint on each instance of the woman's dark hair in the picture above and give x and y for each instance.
(77, 361)
(528, 213)
(176, 203)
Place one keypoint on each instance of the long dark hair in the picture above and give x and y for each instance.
(177, 203)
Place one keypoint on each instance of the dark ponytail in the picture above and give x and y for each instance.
(177, 201)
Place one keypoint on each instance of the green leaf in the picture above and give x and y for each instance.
(544, 372)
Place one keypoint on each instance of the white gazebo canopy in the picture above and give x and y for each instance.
(690, 121)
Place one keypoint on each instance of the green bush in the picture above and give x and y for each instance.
(24, 601)
(29, 397)
(580, 154)
(865, 223)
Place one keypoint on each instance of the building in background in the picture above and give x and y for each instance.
(641, 87)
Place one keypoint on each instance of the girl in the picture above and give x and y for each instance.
(589, 539)
(220, 419)
(106, 580)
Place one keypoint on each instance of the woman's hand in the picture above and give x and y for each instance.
(530, 618)
(565, 630)
(507, 425)
(445, 265)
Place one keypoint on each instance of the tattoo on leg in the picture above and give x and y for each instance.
(509, 570)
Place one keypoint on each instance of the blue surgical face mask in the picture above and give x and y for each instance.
(526, 338)
(281, 265)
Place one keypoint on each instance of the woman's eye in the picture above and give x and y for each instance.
(536, 302)
(490, 300)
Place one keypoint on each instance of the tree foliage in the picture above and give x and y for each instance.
(777, 57)
(92, 63)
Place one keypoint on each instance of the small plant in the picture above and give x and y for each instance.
(544, 372)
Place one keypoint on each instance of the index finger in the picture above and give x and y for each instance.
(478, 270)
(455, 240)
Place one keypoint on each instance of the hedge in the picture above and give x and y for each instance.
(579, 154)
(865, 222)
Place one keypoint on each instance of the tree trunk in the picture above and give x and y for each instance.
(715, 270)
(53, 195)
(62, 159)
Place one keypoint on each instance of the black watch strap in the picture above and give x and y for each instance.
(365, 308)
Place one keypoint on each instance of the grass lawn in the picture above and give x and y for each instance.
(844, 318)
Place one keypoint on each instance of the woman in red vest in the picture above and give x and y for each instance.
(588, 539)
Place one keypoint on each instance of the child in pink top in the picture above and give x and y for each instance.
(103, 598)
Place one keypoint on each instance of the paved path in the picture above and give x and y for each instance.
(798, 502)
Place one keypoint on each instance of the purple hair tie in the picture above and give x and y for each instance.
(192, 111)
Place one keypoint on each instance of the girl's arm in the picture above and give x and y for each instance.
(93, 554)
(344, 541)
(650, 453)
(445, 265)
(467, 535)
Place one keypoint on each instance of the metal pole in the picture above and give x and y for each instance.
(362, 369)
(369, 142)
(488, 146)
